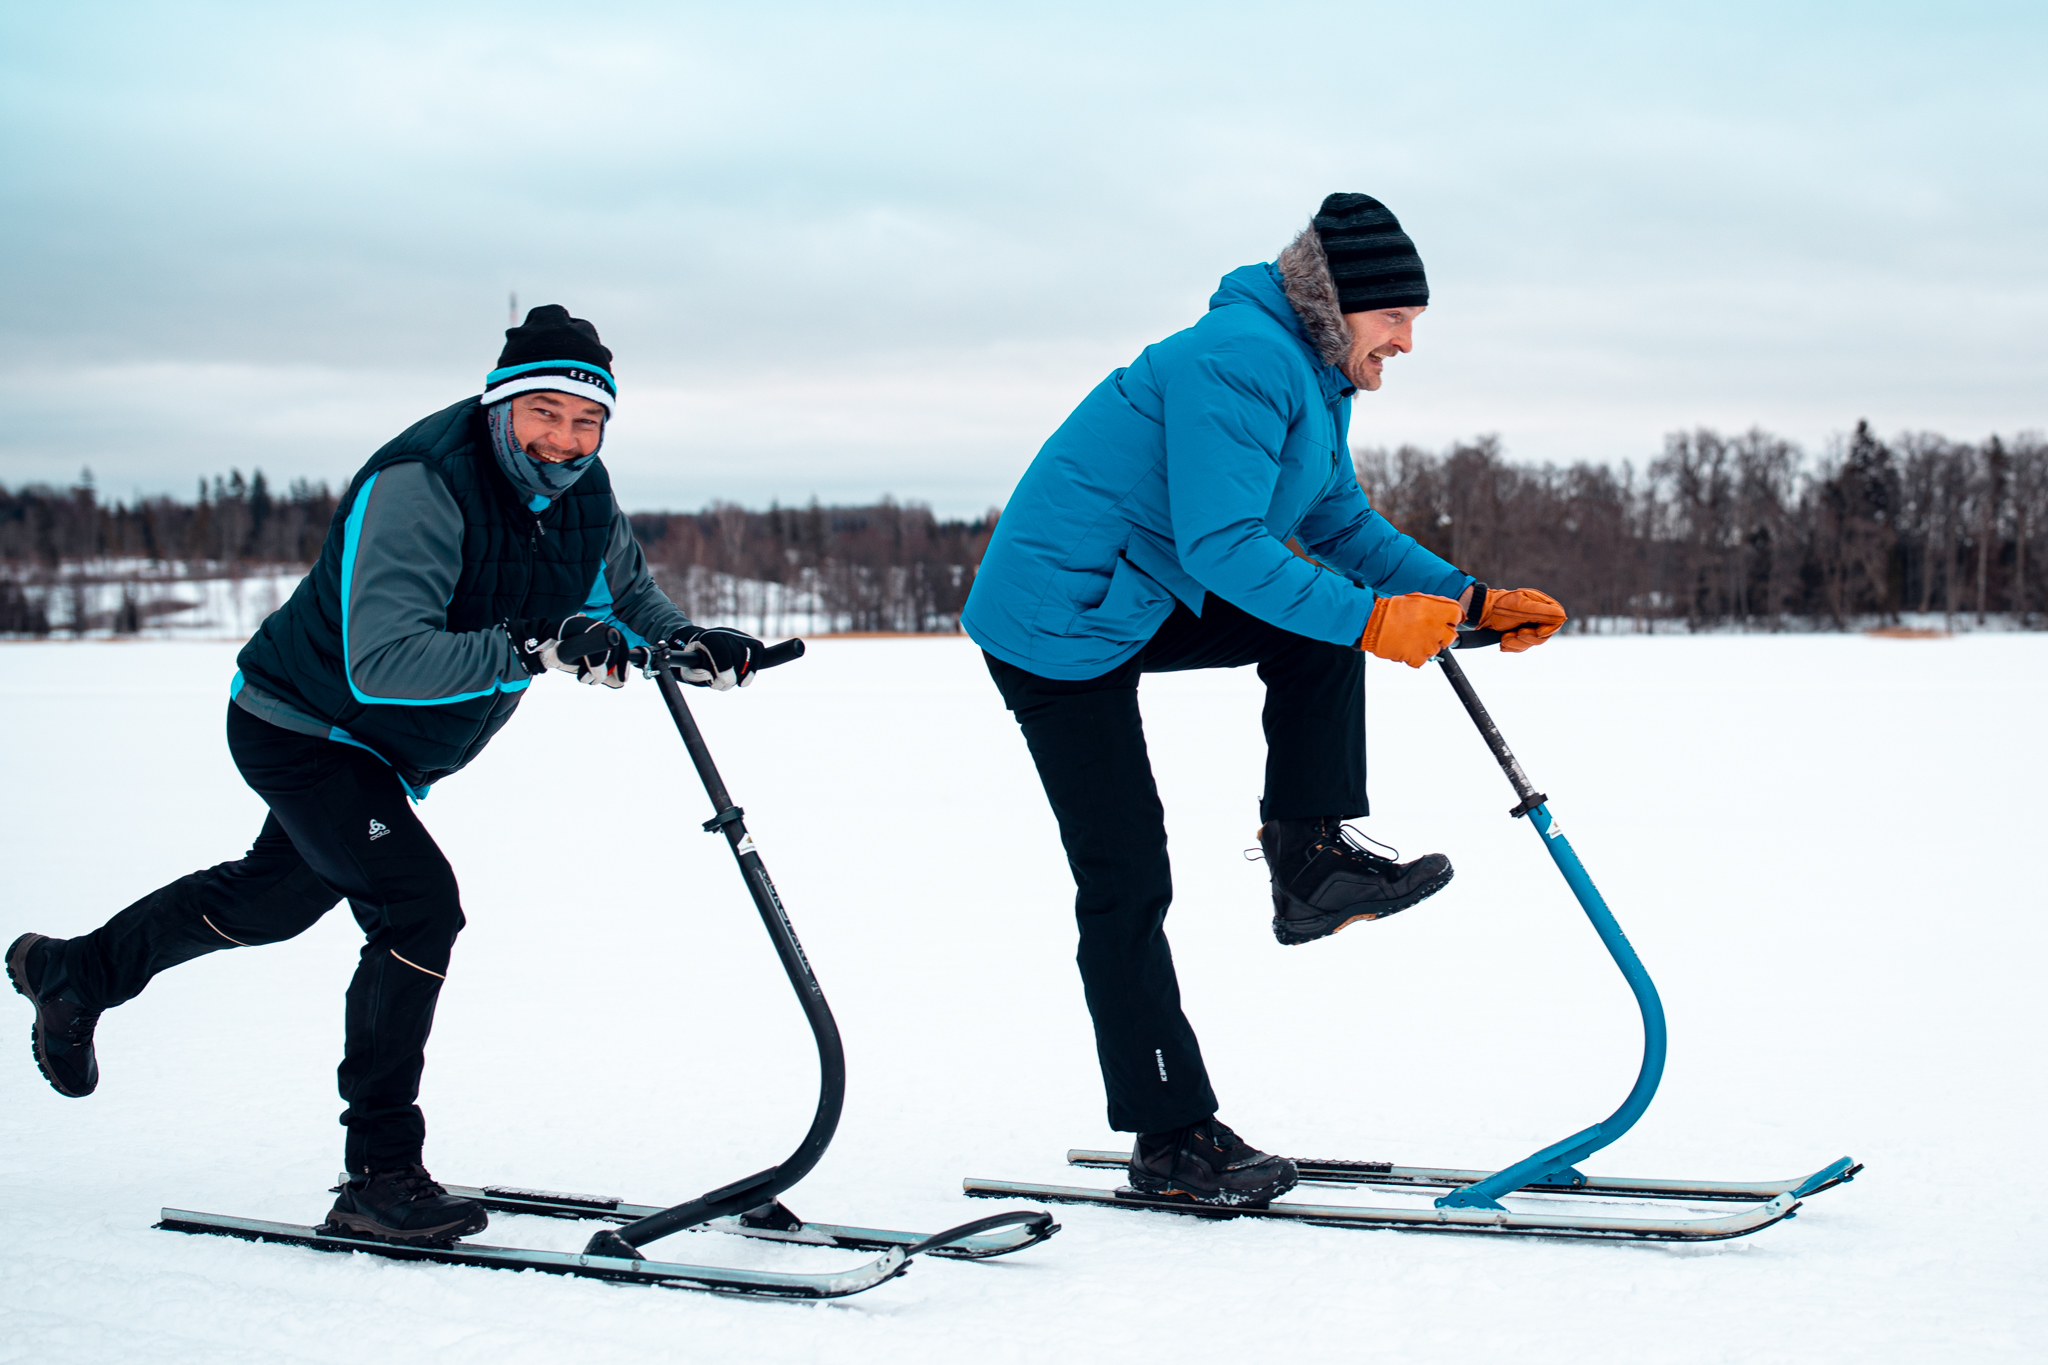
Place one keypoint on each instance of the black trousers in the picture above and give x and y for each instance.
(339, 826)
(1088, 741)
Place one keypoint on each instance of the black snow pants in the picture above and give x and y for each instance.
(1088, 741)
(339, 826)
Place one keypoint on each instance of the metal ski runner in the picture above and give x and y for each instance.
(1499, 1222)
(1387, 1175)
(772, 1222)
(749, 1206)
(619, 1269)
(1473, 1203)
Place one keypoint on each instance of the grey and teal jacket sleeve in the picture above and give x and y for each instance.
(625, 593)
(401, 558)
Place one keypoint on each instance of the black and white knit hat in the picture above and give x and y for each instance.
(556, 352)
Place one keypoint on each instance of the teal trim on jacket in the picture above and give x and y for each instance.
(1186, 473)
(352, 537)
(396, 639)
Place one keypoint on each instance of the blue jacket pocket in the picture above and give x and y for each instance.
(1154, 556)
(1130, 608)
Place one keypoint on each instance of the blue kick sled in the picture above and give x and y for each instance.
(1473, 1203)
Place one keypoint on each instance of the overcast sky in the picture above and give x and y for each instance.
(847, 250)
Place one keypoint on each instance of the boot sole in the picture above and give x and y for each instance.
(1293, 933)
(17, 969)
(341, 1223)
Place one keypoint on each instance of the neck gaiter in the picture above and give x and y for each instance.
(537, 481)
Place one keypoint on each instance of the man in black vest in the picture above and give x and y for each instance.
(466, 558)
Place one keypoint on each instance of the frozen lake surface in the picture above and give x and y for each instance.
(1825, 849)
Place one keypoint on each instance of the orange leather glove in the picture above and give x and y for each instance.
(1524, 617)
(1410, 629)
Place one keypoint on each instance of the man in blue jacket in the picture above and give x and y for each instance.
(1199, 510)
(478, 549)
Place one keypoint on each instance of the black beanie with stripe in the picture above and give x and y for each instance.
(555, 352)
(1372, 262)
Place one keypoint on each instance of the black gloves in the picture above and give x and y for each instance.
(721, 657)
(596, 652)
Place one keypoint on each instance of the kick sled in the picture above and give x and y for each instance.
(1473, 1202)
(749, 1207)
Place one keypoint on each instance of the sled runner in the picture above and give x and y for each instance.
(1499, 1222)
(1473, 1202)
(1386, 1175)
(748, 1207)
(771, 1222)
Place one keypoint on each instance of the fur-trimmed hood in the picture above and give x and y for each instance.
(1305, 276)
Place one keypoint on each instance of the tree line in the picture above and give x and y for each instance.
(1742, 530)
(1716, 531)
(58, 545)
(235, 521)
(888, 567)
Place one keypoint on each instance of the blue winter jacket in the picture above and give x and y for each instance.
(1188, 472)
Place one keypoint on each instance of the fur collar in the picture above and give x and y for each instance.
(1305, 276)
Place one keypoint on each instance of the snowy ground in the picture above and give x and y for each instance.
(1819, 844)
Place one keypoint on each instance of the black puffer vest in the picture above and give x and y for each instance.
(515, 563)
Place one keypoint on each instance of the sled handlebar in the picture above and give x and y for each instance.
(651, 657)
(772, 657)
(1476, 639)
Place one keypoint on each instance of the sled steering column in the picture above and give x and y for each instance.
(758, 1191)
(1557, 1163)
(754, 1198)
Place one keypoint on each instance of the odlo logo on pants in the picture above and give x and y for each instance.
(378, 829)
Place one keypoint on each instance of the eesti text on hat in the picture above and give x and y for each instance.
(1198, 510)
(463, 559)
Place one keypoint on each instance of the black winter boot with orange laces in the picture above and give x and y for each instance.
(405, 1205)
(1324, 878)
(1206, 1163)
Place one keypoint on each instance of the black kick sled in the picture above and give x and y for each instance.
(1473, 1202)
(747, 1208)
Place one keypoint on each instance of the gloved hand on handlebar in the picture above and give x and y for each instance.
(594, 652)
(1410, 628)
(719, 657)
(1524, 617)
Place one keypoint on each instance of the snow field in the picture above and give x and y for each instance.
(1818, 845)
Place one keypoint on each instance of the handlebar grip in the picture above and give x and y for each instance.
(590, 642)
(776, 655)
(1476, 639)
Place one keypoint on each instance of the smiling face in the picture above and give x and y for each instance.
(1378, 335)
(556, 427)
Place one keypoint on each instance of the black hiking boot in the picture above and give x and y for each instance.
(402, 1205)
(61, 1037)
(1206, 1163)
(1324, 877)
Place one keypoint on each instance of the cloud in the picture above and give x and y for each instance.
(887, 248)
